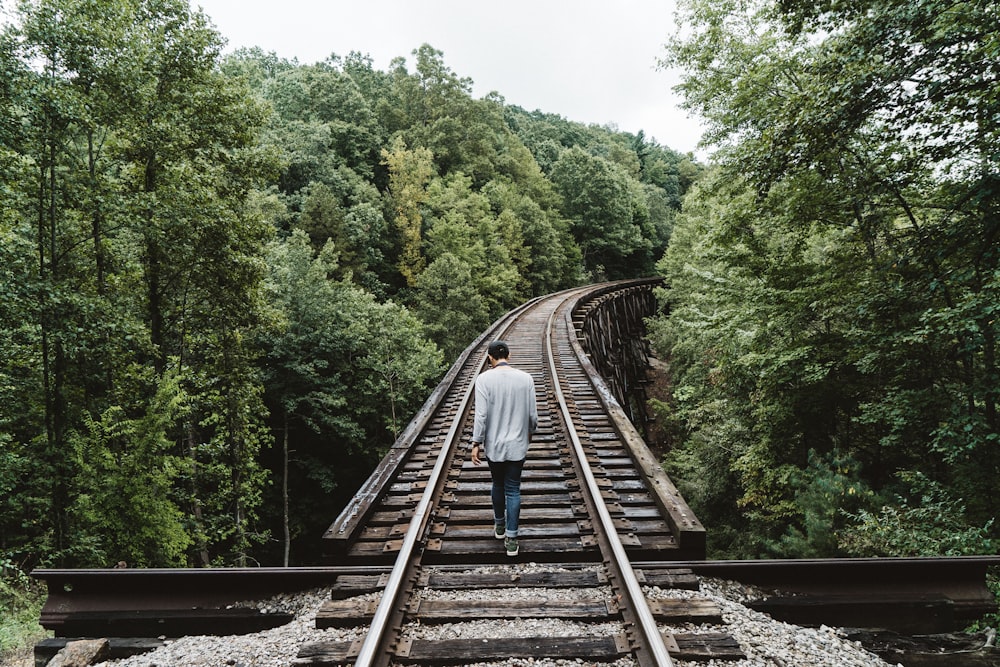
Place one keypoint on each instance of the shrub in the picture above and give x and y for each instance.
(926, 521)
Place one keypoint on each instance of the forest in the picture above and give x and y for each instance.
(835, 279)
(228, 280)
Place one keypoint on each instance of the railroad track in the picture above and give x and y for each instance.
(589, 506)
(603, 529)
(655, 522)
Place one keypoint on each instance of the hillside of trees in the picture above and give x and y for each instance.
(227, 282)
(835, 280)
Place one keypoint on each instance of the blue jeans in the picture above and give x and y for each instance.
(506, 493)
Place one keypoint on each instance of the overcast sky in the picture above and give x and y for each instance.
(589, 61)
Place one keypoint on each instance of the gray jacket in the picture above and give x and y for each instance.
(506, 413)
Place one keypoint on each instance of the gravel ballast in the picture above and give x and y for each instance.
(766, 642)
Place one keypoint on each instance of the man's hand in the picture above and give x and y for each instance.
(475, 455)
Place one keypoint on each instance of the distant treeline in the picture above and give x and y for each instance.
(227, 282)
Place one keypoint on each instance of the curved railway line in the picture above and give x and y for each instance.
(585, 500)
(600, 519)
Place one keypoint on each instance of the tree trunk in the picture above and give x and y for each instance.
(154, 288)
(199, 525)
(284, 491)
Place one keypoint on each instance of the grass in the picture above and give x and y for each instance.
(21, 598)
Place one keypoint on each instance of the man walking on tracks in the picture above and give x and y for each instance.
(506, 416)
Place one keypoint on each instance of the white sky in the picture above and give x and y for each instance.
(590, 61)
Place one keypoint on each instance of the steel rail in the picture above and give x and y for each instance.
(418, 524)
(647, 624)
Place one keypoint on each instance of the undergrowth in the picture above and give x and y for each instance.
(990, 620)
(21, 598)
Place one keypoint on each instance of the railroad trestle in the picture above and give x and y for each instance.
(611, 327)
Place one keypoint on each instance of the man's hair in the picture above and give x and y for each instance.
(499, 350)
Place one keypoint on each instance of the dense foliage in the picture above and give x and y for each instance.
(226, 283)
(835, 283)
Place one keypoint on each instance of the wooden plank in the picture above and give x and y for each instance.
(534, 468)
(357, 584)
(630, 485)
(371, 553)
(615, 460)
(651, 527)
(652, 546)
(669, 578)
(459, 532)
(707, 646)
(326, 653)
(482, 500)
(462, 610)
(635, 512)
(685, 611)
(529, 548)
(547, 485)
(449, 580)
(464, 651)
(377, 532)
(390, 518)
(484, 515)
(351, 613)
(345, 613)
(400, 502)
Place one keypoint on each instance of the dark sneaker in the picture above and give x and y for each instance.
(499, 530)
(511, 545)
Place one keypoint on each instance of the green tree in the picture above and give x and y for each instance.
(449, 304)
(189, 147)
(606, 210)
(325, 105)
(357, 230)
(394, 366)
(462, 223)
(343, 374)
(924, 519)
(131, 515)
(130, 179)
(53, 104)
(305, 390)
(547, 257)
(439, 114)
(409, 173)
(25, 496)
